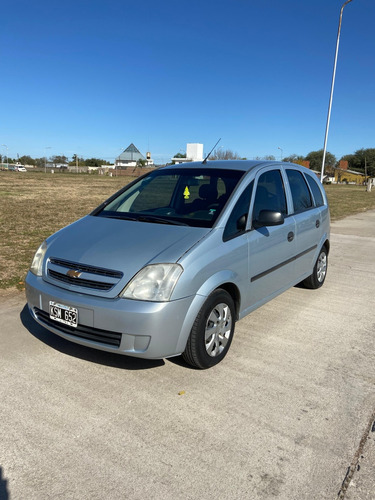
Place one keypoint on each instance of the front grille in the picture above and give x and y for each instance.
(86, 269)
(79, 281)
(81, 331)
(97, 278)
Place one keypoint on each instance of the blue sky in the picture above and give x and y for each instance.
(91, 77)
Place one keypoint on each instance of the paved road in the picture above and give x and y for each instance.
(287, 413)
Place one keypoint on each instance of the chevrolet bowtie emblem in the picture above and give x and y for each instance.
(72, 273)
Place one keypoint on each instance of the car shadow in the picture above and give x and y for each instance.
(86, 353)
(4, 493)
(179, 361)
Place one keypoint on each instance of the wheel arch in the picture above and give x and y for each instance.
(234, 292)
(223, 280)
(327, 245)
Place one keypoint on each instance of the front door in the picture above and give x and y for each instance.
(272, 248)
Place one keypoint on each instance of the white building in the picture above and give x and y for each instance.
(194, 152)
(130, 157)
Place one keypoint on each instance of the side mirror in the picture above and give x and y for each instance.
(269, 218)
(241, 223)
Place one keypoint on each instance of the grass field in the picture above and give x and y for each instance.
(35, 205)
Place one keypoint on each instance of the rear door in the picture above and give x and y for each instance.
(308, 222)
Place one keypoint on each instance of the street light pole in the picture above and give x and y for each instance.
(281, 154)
(331, 95)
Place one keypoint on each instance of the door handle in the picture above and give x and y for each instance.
(291, 236)
(317, 223)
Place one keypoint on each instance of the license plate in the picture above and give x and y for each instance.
(64, 314)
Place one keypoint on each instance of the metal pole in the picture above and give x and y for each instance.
(332, 87)
(281, 154)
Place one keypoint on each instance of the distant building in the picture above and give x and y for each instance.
(343, 175)
(131, 157)
(194, 152)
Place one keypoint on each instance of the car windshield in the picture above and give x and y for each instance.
(182, 196)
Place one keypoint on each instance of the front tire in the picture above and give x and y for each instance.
(318, 276)
(212, 332)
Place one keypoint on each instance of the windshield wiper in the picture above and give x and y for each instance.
(159, 220)
(118, 215)
(140, 218)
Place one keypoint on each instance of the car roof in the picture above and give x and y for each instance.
(242, 165)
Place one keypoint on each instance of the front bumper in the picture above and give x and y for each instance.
(150, 330)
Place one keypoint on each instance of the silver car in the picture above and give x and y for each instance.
(167, 265)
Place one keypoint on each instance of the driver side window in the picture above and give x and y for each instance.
(270, 194)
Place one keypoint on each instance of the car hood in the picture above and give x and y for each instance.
(120, 245)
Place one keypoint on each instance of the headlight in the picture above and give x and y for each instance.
(155, 283)
(37, 263)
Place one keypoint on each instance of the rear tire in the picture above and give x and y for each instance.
(318, 276)
(212, 332)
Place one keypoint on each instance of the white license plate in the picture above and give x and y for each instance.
(64, 314)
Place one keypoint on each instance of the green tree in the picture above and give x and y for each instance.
(27, 160)
(316, 158)
(141, 163)
(95, 162)
(294, 158)
(39, 162)
(81, 161)
(362, 159)
(178, 155)
(59, 159)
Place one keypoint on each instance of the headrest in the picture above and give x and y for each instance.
(208, 192)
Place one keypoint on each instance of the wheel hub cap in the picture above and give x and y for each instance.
(321, 268)
(218, 329)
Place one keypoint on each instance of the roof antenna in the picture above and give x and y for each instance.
(205, 160)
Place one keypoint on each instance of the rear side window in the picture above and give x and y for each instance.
(300, 192)
(318, 197)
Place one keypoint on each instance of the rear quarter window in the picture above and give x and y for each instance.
(300, 192)
(316, 190)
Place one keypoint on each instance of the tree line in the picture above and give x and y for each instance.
(56, 159)
(362, 160)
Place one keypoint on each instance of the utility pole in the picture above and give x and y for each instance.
(332, 86)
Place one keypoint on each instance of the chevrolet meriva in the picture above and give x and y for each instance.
(170, 262)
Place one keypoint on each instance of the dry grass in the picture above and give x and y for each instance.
(345, 200)
(35, 205)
